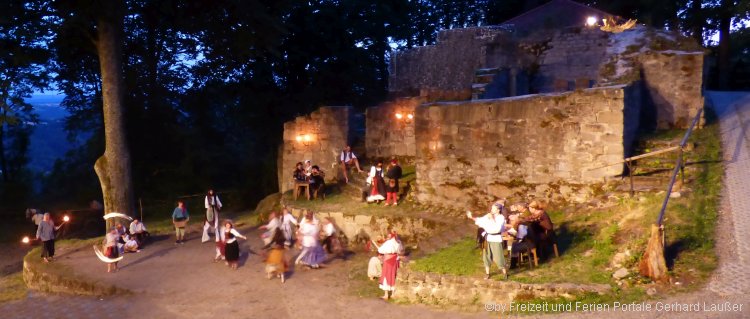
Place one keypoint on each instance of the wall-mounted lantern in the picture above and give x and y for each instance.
(404, 117)
(305, 139)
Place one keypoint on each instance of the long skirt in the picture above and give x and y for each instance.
(374, 267)
(377, 190)
(390, 267)
(232, 251)
(275, 262)
(112, 252)
(48, 248)
(313, 255)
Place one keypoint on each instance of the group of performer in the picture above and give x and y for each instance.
(518, 228)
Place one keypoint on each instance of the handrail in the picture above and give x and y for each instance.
(678, 167)
(637, 157)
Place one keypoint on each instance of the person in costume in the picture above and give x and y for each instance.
(138, 230)
(376, 183)
(347, 160)
(46, 233)
(213, 206)
(312, 254)
(317, 181)
(110, 248)
(493, 225)
(232, 248)
(393, 174)
(276, 259)
(270, 228)
(180, 218)
(288, 226)
(391, 250)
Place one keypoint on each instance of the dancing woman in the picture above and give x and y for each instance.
(493, 225)
(312, 254)
(232, 248)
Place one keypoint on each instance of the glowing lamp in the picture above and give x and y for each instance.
(308, 138)
(591, 21)
(299, 138)
(399, 116)
(410, 116)
(66, 218)
(25, 240)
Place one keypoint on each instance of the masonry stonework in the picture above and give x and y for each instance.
(674, 85)
(319, 137)
(387, 135)
(469, 152)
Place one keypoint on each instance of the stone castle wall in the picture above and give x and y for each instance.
(469, 152)
(388, 136)
(328, 128)
(674, 83)
(572, 56)
(444, 70)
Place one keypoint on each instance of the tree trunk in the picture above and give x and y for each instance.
(723, 62)
(113, 168)
(696, 21)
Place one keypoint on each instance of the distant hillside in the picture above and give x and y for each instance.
(49, 140)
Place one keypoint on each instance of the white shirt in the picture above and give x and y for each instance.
(373, 171)
(314, 220)
(137, 227)
(391, 246)
(214, 200)
(492, 226)
(309, 234)
(289, 219)
(329, 230)
(235, 233)
(347, 156)
(273, 224)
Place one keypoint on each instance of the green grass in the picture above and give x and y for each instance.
(460, 258)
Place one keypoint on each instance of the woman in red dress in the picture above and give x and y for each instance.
(392, 249)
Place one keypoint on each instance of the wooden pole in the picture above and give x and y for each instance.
(653, 264)
(140, 204)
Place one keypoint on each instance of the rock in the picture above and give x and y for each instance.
(651, 291)
(588, 253)
(620, 273)
(675, 195)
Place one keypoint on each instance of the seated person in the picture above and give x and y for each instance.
(308, 168)
(138, 231)
(542, 225)
(348, 159)
(524, 240)
(121, 232)
(317, 181)
(131, 245)
(299, 173)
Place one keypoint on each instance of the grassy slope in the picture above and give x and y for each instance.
(589, 238)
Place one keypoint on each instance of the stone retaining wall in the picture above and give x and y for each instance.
(469, 152)
(436, 289)
(674, 82)
(328, 130)
(56, 279)
(361, 228)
